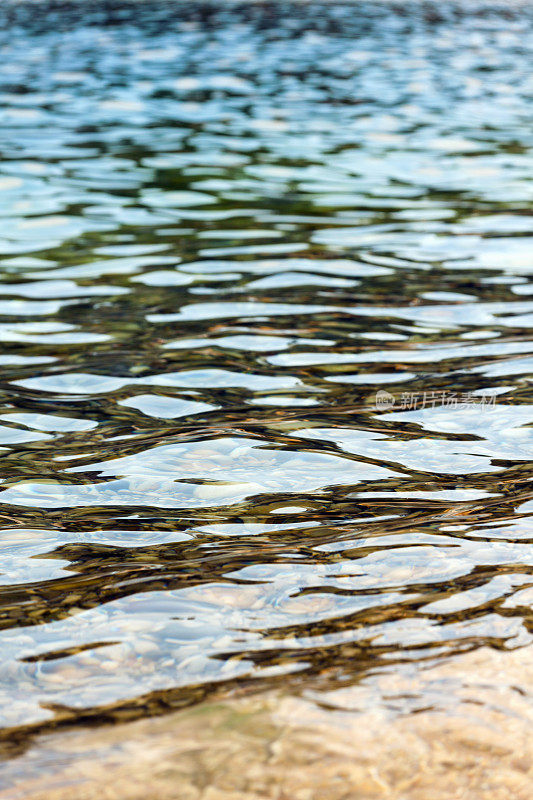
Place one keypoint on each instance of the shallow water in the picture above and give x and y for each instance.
(225, 229)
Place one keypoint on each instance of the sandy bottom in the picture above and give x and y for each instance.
(476, 742)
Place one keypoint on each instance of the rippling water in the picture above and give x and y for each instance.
(225, 229)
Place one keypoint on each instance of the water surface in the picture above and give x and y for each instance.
(225, 229)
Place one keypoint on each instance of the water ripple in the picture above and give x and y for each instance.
(225, 229)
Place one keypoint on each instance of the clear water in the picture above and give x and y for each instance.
(225, 229)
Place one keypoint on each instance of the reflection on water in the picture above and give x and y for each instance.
(225, 228)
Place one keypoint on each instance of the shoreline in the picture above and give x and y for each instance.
(272, 746)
